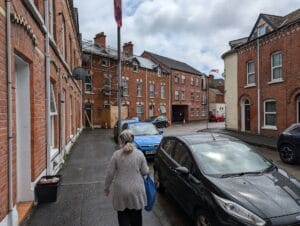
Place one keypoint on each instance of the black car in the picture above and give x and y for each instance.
(288, 144)
(219, 180)
(159, 121)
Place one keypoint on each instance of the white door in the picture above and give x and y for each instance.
(23, 128)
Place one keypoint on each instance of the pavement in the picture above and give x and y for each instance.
(81, 201)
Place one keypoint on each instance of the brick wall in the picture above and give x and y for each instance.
(285, 93)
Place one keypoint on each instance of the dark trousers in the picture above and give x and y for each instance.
(129, 217)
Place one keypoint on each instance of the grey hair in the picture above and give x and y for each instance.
(126, 138)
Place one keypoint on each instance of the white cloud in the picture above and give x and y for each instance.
(194, 31)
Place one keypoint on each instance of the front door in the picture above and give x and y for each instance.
(151, 108)
(247, 117)
(23, 129)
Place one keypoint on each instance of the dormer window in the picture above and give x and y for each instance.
(158, 72)
(104, 62)
(135, 67)
(261, 30)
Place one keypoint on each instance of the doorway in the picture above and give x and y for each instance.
(23, 130)
(245, 116)
(63, 119)
(151, 111)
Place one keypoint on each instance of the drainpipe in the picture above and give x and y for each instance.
(47, 85)
(146, 108)
(258, 87)
(59, 111)
(9, 106)
(170, 98)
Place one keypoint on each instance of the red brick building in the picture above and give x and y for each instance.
(40, 101)
(188, 88)
(145, 85)
(269, 75)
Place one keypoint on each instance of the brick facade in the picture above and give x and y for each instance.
(283, 92)
(28, 45)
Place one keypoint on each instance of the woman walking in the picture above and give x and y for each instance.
(127, 168)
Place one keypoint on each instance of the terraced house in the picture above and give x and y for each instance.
(268, 75)
(40, 101)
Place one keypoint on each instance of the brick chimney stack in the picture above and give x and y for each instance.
(128, 49)
(100, 39)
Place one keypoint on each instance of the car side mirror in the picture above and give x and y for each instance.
(160, 131)
(183, 170)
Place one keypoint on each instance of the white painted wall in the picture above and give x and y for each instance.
(231, 91)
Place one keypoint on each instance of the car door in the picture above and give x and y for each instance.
(188, 187)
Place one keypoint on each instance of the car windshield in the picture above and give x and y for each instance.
(142, 129)
(226, 158)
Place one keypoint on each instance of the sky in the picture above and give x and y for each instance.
(196, 32)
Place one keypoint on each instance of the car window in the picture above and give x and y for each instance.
(181, 155)
(169, 145)
(296, 130)
(125, 126)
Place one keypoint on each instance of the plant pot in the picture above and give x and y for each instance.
(47, 189)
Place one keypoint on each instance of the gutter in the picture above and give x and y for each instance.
(9, 106)
(258, 87)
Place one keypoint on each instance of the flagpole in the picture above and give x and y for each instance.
(119, 83)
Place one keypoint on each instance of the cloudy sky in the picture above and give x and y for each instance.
(193, 31)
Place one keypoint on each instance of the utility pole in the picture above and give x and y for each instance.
(119, 84)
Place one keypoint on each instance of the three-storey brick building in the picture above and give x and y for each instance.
(40, 101)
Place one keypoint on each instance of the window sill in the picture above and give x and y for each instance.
(269, 127)
(88, 92)
(275, 81)
(249, 86)
(139, 96)
(53, 153)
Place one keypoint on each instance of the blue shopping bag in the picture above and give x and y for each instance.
(150, 192)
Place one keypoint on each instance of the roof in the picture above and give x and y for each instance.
(204, 137)
(219, 82)
(173, 64)
(89, 47)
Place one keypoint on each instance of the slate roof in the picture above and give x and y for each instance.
(174, 64)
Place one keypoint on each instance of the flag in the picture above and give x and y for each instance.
(118, 12)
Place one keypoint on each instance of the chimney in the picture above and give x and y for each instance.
(128, 49)
(100, 39)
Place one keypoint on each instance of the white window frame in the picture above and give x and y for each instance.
(176, 95)
(151, 90)
(52, 117)
(275, 67)
(183, 78)
(139, 111)
(204, 99)
(158, 72)
(250, 73)
(135, 67)
(125, 86)
(197, 82)
(176, 79)
(107, 84)
(269, 113)
(182, 95)
(261, 30)
(192, 81)
(139, 88)
(163, 91)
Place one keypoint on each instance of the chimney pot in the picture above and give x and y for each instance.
(100, 39)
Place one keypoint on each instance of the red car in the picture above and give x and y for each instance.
(216, 118)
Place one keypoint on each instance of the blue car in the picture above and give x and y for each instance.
(146, 137)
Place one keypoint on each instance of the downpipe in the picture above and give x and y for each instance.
(9, 114)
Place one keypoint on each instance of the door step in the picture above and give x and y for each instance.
(24, 209)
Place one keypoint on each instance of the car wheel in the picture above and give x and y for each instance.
(203, 218)
(159, 186)
(287, 153)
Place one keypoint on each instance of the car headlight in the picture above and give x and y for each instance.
(239, 212)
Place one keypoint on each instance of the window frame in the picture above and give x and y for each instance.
(176, 94)
(88, 84)
(139, 88)
(162, 91)
(125, 91)
(270, 113)
(259, 29)
(151, 90)
(139, 111)
(275, 67)
(250, 73)
(135, 67)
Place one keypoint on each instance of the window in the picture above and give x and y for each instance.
(176, 95)
(168, 145)
(261, 30)
(139, 111)
(71, 117)
(105, 62)
(192, 81)
(192, 96)
(139, 88)
(176, 79)
(276, 66)
(182, 95)
(53, 113)
(151, 89)
(250, 73)
(270, 113)
(135, 67)
(162, 109)
(88, 84)
(51, 17)
(63, 38)
(183, 79)
(107, 85)
(125, 86)
(162, 91)
(197, 82)
(158, 72)
(181, 155)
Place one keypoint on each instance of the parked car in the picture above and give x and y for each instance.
(219, 180)
(146, 137)
(215, 118)
(159, 121)
(288, 144)
(116, 131)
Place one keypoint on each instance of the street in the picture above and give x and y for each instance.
(82, 201)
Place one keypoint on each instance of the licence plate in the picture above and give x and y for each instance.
(150, 152)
